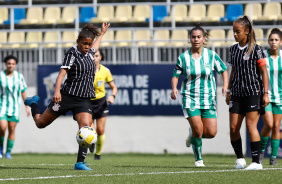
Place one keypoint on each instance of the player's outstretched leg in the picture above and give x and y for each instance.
(80, 164)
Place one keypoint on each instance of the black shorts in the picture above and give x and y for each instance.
(242, 105)
(70, 103)
(100, 108)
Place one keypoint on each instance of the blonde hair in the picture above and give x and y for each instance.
(251, 38)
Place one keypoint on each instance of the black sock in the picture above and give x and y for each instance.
(255, 146)
(35, 109)
(237, 146)
(81, 154)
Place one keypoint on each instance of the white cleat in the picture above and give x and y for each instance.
(254, 166)
(240, 163)
(199, 163)
(188, 140)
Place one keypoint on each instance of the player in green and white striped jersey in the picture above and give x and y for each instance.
(273, 112)
(199, 89)
(12, 87)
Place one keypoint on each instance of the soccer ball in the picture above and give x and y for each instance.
(86, 137)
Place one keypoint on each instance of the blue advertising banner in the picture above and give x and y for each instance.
(142, 89)
(268, 146)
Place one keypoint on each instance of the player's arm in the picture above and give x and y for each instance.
(174, 92)
(264, 75)
(225, 82)
(57, 94)
(27, 109)
(228, 93)
(104, 29)
(114, 92)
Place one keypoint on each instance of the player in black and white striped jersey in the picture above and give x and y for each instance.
(78, 88)
(248, 86)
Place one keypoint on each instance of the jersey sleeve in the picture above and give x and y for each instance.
(109, 77)
(178, 70)
(23, 85)
(219, 65)
(260, 56)
(68, 60)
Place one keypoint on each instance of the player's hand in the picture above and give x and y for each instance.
(104, 27)
(57, 97)
(265, 100)
(227, 99)
(174, 94)
(224, 91)
(27, 109)
(111, 99)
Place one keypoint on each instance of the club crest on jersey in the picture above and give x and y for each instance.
(187, 67)
(207, 65)
(56, 107)
(99, 83)
(246, 56)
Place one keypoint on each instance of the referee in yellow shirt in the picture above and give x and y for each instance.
(99, 104)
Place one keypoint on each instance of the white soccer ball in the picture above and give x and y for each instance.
(86, 137)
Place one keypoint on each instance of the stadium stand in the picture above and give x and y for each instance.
(68, 15)
(143, 38)
(104, 14)
(86, 14)
(123, 38)
(3, 14)
(180, 13)
(197, 12)
(159, 12)
(259, 36)
(271, 11)
(215, 12)
(32, 39)
(19, 13)
(162, 37)
(141, 13)
(3, 39)
(107, 39)
(69, 38)
(233, 11)
(51, 15)
(177, 35)
(123, 13)
(230, 38)
(16, 39)
(256, 10)
(50, 39)
(217, 34)
(34, 16)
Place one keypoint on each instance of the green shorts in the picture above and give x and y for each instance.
(204, 113)
(274, 108)
(10, 118)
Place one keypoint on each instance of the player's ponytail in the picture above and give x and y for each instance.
(89, 31)
(251, 37)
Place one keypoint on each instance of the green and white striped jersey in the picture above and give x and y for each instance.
(274, 70)
(10, 93)
(198, 89)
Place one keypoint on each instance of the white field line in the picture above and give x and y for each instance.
(128, 174)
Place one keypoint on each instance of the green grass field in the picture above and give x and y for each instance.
(132, 168)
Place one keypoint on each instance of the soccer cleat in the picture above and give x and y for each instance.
(81, 166)
(30, 100)
(92, 148)
(199, 163)
(188, 140)
(1, 152)
(272, 161)
(97, 157)
(240, 163)
(261, 156)
(8, 156)
(254, 166)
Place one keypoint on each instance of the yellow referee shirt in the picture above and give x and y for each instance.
(101, 76)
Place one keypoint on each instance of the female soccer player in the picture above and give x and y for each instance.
(78, 88)
(273, 112)
(99, 104)
(12, 87)
(199, 89)
(247, 90)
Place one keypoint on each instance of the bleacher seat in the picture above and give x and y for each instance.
(271, 11)
(256, 11)
(124, 38)
(51, 15)
(162, 37)
(215, 12)
(3, 39)
(69, 36)
(180, 13)
(197, 12)
(68, 15)
(216, 34)
(104, 14)
(33, 37)
(33, 16)
(3, 15)
(159, 12)
(233, 11)
(107, 38)
(50, 36)
(141, 13)
(143, 38)
(179, 34)
(123, 13)
(86, 14)
(259, 36)
(16, 39)
(19, 13)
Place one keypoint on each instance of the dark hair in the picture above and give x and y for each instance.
(89, 31)
(276, 31)
(10, 57)
(102, 55)
(251, 40)
(199, 27)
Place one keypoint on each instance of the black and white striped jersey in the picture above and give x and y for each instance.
(81, 73)
(246, 79)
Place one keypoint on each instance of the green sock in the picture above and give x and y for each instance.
(197, 147)
(263, 143)
(10, 144)
(274, 147)
(2, 141)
